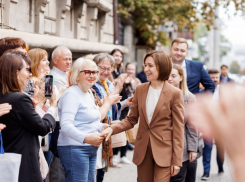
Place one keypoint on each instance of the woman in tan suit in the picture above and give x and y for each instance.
(159, 143)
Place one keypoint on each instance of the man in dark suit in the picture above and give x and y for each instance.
(224, 78)
(195, 74)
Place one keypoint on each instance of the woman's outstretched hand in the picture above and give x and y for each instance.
(106, 131)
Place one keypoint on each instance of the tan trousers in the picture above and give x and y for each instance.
(149, 171)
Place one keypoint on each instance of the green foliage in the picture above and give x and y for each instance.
(149, 14)
(235, 67)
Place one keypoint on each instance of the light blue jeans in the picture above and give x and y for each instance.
(79, 162)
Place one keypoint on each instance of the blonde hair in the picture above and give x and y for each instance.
(79, 66)
(36, 55)
(183, 83)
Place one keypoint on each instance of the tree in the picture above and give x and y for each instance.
(148, 15)
(235, 67)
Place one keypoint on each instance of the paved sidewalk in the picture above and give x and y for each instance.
(128, 173)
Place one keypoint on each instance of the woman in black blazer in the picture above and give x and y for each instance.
(23, 124)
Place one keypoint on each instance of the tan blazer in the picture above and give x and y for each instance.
(166, 129)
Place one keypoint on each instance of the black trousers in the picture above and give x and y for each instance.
(180, 177)
(191, 171)
(122, 149)
(187, 172)
(100, 175)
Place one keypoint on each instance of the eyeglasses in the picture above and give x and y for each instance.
(89, 72)
(105, 69)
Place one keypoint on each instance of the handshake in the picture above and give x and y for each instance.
(97, 138)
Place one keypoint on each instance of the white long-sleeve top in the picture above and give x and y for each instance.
(151, 101)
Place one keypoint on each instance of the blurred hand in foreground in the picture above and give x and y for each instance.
(225, 120)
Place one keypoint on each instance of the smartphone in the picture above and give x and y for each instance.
(49, 84)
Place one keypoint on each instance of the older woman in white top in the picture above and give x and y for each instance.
(80, 134)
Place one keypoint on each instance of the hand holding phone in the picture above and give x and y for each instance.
(49, 84)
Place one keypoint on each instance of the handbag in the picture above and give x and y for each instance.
(132, 133)
(118, 140)
(9, 164)
(43, 163)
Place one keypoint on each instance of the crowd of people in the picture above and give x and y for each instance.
(93, 91)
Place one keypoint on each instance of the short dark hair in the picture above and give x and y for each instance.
(213, 71)
(223, 65)
(130, 63)
(11, 43)
(116, 50)
(163, 63)
(10, 62)
(179, 41)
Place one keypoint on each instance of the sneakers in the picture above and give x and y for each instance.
(205, 176)
(125, 160)
(114, 162)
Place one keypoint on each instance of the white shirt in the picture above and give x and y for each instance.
(184, 68)
(60, 77)
(151, 102)
(216, 94)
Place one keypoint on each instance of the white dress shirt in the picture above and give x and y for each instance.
(216, 94)
(184, 68)
(60, 77)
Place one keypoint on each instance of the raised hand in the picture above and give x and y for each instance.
(40, 81)
(54, 98)
(129, 101)
(129, 79)
(39, 96)
(119, 83)
(225, 121)
(5, 108)
(112, 98)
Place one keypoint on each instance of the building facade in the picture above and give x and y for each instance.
(84, 26)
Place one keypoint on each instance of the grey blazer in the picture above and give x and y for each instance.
(191, 132)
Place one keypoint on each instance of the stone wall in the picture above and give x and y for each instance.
(45, 23)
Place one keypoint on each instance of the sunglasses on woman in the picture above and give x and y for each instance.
(89, 72)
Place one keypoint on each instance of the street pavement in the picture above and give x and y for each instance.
(128, 172)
